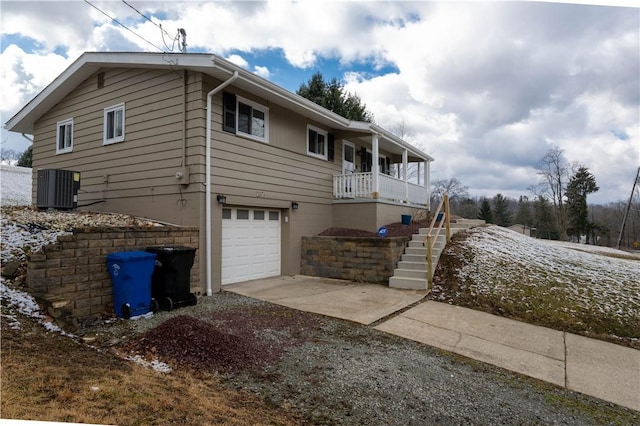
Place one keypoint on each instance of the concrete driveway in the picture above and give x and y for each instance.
(361, 303)
(604, 370)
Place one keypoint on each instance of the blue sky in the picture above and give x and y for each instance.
(486, 88)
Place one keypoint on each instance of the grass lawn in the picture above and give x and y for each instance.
(586, 290)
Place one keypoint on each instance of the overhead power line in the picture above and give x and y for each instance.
(123, 25)
(163, 32)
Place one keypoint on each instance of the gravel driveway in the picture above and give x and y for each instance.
(337, 372)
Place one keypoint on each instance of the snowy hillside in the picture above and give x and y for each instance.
(569, 284)
(15, 189)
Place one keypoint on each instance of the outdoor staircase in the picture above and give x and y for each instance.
(413, 269)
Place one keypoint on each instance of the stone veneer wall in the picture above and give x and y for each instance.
(352, 258)
(71, 275)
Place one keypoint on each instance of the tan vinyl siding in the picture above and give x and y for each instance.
(257, 174)
(138, 174)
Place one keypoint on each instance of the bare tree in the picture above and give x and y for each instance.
(8, 156)
(452, 186)
(554, 172)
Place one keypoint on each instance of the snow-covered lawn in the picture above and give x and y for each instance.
(596, 289)
(15, 185)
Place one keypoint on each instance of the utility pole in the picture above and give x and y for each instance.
(183, 33)
(626, 213)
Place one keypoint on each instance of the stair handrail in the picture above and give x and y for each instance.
(430, 239)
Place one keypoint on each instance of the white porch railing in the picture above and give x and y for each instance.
(353, 185)
(360, 185)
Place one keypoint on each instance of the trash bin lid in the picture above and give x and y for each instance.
(169, 249)
(131, 256)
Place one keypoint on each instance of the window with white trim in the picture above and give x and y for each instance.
(64, 136)
(317, 142)
(113, 124)
(245, 118)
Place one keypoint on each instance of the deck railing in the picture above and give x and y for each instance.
(431, 238)
(360, 185)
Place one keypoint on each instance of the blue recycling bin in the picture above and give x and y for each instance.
(131, 273)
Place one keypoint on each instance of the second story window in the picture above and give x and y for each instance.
(64, 136)
(317, 142)
(244, 117)
(113, 124)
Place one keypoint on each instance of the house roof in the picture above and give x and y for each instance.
(91, 62)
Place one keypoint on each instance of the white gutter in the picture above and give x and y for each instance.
(208, 178)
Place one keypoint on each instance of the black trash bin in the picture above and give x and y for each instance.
(171, 280)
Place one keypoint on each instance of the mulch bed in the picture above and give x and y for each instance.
(394, 230)
(226, 341)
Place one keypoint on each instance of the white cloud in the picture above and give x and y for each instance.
(483, 87)
(262, 71)
(238, 60)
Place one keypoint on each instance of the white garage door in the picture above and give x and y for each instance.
(250, 244)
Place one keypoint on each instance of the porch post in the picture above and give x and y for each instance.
(405, 166)
(427, 181)
(375, 167)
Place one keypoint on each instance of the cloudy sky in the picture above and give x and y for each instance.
(484, 88)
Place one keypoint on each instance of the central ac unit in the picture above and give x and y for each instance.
(57, 189)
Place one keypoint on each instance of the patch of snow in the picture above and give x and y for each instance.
(18, 240)
(148, 315)
(155, 364)
(15, 185)
(593, 282)
(26, 305)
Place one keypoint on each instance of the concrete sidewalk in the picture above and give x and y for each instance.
(593, 367)
(603, 370)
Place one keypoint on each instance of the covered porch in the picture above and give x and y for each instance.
(380, 167)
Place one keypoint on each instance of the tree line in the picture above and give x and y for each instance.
(556, 207)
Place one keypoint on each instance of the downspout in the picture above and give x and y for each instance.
(208, 178)
(185, 78)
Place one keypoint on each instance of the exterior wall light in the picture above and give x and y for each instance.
(222, 199)
(294, 205)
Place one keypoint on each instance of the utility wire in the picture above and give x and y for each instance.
(123, 25)
(163, 32)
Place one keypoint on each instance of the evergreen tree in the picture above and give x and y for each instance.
(581, 183)
(501, 214)
(524, 216)
(25, 158)
(544, 219)
(332, 96)
(485, 211)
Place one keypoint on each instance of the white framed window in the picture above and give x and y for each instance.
(245, 118)
(317, 142)
(64, 136)
(113, 124)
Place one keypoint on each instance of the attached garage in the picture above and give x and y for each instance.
(250, 244)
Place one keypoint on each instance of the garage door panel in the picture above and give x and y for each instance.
(250, 244)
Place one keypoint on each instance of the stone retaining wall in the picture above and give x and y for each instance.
(71, 276)
(352, 258)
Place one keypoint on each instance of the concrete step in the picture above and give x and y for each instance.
(421, 250)
(419, 266)
(410, 273)
(421, 257)
(414, 257)
(409, 283)
(425, 231)
(472, 222)
(442, 238)
(419, 244)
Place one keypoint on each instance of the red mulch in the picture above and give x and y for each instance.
(227, 341)
(394, 230)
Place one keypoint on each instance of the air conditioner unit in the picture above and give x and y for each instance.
(57, 189)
